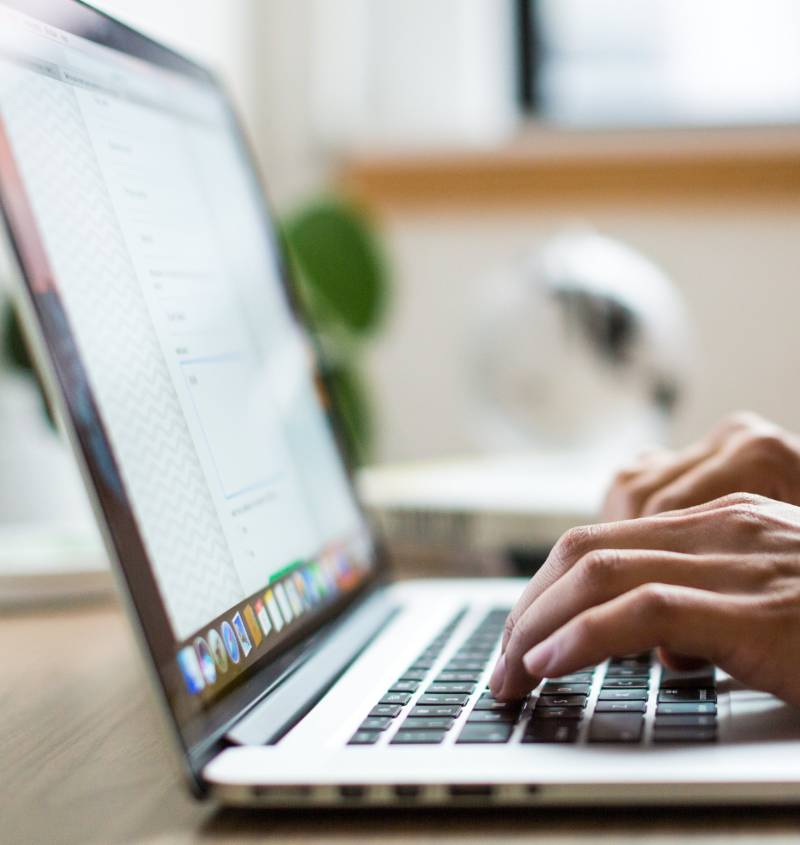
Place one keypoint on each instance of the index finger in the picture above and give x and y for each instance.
(682, 619)
(673, 532)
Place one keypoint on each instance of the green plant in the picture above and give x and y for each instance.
(343, 282)
(16, 355)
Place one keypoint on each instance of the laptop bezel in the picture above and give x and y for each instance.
(200, 735)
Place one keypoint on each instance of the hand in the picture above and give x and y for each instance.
(744, 452)
(720, 581)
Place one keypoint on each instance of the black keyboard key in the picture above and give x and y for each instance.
(674, 695)
(424, 711)
(444, 698)
(433, 723)
(492, 716)
(620, 707)
(422, 665)
(486, 733)
(364, 738)
(691, 679)
(418, 737)
(561, 701)
(414, 675)
(689, 720)
(456, 664)
(685, 735)
(623, 695)
(551, 732)
(630, 659)
(477, 656)
(627, 672)
(551, 688)
(400, 698)
(626, 683)
(462, 676)
(557, 713)
(574, 678)
(616, 727)
(428, 655)
(390, 710)
(498, 706)
(404, 686)
(375, 723)
(686, 707)
(459, 687)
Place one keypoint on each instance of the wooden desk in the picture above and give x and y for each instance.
(82, 761)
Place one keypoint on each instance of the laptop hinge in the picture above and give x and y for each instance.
(279, 711)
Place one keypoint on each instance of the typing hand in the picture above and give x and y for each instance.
(743, 453)
(720, 581)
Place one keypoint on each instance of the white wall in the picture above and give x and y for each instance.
(737, 265)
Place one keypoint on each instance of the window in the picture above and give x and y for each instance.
(638, 63)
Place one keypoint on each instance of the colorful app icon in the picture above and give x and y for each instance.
(329, 572)
(294, 598)
(283, 602)
(311, 587)
(274, 610)
(241, 633)
(300, 588)
(263, 617)
(252, 625)
(207, 666)
(345, 577)
(191, 671)
(229, 638)
(218, 651)
(320, 580)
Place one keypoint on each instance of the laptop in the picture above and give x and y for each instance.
(290, 667)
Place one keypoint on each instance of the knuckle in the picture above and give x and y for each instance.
(747, 500)
(744, 516)
(740, 501)
(518, 642)
(626, 503)
(623, 477)
(764, 445)
(573, 542)
(600, 565)
(587, 627)
(742, 420)
(662, 502)
(634, 496)
(655, 602)
(508, 628)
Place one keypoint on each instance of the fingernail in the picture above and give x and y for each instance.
(498, 676)
(538, 659)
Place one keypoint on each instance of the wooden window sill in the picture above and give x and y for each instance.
(557, 167)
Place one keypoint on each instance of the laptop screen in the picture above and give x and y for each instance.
(158, 284)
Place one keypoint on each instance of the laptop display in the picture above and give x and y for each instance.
(192, 386)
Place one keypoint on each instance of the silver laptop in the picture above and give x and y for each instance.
(290, 668)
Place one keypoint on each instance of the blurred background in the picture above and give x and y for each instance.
(635, 162)
(474, 130)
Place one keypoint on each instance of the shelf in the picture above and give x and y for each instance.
(556, 167)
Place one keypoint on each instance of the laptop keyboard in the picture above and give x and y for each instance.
(629, 699)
